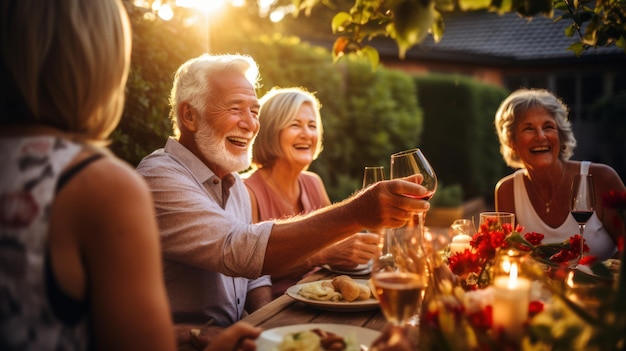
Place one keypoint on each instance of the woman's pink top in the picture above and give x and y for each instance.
(272, 206)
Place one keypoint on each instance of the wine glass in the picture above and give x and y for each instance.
(372, 174)
(400, 276)
(582, 205)
(409, 163)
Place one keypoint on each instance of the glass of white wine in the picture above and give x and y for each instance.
(400, 276)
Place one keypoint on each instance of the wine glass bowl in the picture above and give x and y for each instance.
(372, 174)
(400, 276)
(411, 162)
(582, 206)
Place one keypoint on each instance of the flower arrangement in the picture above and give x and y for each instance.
(474, 266)
(458, 314)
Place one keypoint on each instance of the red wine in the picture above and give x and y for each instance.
(582, 216)
(426, 196)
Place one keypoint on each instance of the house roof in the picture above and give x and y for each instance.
(505, 39)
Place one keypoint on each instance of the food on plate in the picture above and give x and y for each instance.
(318, 340)
(348, 288)
(341, 288)
(320, 291)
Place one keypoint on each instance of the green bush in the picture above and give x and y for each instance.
(459, 137)
(367, 115)
(447, 195)
(158, 50)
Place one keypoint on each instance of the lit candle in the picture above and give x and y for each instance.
(511, 296)
(460, 243)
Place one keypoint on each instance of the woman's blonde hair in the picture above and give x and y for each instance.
(515, 106)
(278, 109)
(66, 63)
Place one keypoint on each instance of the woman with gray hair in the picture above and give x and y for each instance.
(536, 137)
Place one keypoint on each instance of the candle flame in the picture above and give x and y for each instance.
(513, 276)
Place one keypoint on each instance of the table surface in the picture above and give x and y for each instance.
(285, 311)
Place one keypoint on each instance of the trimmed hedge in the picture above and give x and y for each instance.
(459, 138)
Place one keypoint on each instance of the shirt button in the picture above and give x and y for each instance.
(237, 301)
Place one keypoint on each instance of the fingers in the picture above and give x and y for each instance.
(239, 336)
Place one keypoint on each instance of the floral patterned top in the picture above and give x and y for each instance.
(32, 307)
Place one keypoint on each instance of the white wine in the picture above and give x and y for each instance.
(400, 294)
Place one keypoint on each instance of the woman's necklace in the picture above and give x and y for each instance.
(553, 194)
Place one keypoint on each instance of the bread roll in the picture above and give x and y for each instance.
(364, 292)
(348, 288)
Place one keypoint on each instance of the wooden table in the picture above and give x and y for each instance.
(285, 311)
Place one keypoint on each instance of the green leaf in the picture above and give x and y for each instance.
(438, 27)
(570, 30)
(578, 48)
(339, 21)
(371, 54)
(468, 5)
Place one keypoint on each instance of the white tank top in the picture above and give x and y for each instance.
(596, 237)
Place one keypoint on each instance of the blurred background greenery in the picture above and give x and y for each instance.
(367, 114)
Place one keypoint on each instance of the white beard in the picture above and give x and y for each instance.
(212, 147)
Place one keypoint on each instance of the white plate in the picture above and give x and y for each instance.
(362, 269)
(361, 305)
(271, 338)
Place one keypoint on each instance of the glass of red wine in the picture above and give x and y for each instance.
(582, 205)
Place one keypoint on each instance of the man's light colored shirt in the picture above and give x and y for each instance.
(207, 249)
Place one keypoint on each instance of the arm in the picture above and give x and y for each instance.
(258, 297)
(382, 205)
(116, 234)
(504, 199)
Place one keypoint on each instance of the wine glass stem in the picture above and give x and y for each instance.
(581, 228)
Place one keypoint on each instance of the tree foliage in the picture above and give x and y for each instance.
(596, 22)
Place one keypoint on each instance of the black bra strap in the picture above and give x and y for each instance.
(70, 173)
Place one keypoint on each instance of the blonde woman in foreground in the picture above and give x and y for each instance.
(80, 260)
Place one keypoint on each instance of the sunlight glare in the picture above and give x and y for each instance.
(166, 12)
(206, 6)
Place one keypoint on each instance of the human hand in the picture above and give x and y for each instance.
(346, 254)
(240, 336)
(389, 204)
(393, 338)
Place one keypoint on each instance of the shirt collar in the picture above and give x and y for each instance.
(199, 170)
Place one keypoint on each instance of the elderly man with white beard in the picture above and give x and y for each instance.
(216, 261)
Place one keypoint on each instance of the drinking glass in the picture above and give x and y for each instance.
(372, 174)
(582, 205)
(500, 218)
(400, 277)
(409, 163)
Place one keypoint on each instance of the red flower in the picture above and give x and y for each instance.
(574, 244)
(534, 238)
(462, 263)
(482, 319)
(563, 256)
(534, 308)
(588, 260)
